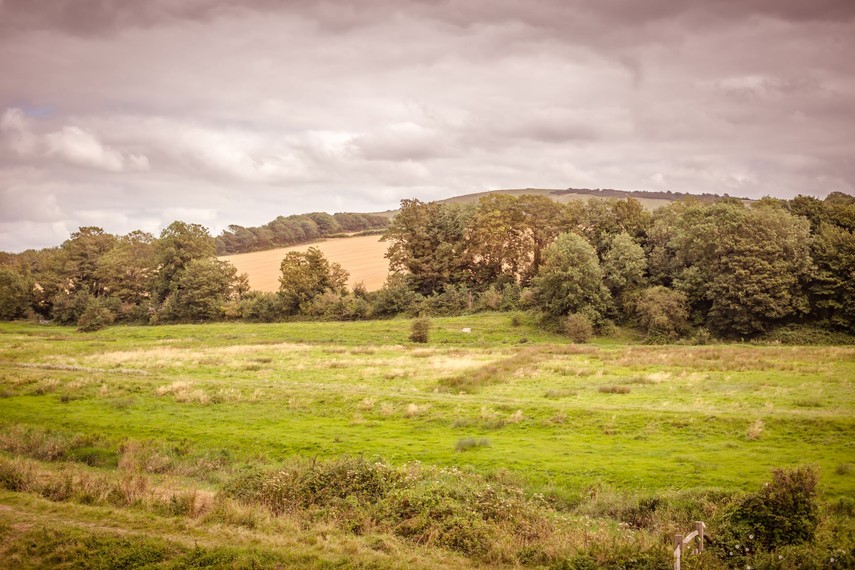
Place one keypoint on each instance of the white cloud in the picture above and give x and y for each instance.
(16, 132)
(70, 144)
(77, 146)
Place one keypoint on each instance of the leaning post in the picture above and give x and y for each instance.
(678, 550)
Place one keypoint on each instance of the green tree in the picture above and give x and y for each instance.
(543, 220)
(570, 280)
(15, 294)
(662, 313)
(128, 270)
(624, 265)
(602, 219)
(202, 290)
(179, 244)
(497, 240)
(304, 276)
(506, 237)
(80, 255)
(746, 269)
(833, 288)
(427, 243)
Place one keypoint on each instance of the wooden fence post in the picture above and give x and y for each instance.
(678, 550)
(699, 525)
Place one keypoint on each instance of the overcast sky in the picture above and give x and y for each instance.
(130, 114)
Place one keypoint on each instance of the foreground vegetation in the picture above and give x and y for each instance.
(325, 444)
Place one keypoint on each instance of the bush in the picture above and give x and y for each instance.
(578, 327)
(260, 307)
(68, 307)
(783, 512)
(806, 335)
(95, 317)
(337, 307)
(662, 313)
(395, 298)
(455, 300)
(420, 330)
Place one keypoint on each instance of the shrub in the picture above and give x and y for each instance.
(662, 313)
(578, 327)
(420, 330)
(260, 307)
(454, 300)
(315, 484)
(395, 298)
(95, 318)
(783, 512)
(806, 335)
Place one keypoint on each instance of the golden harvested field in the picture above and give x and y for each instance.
(361, 256)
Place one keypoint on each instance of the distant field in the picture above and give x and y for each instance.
(125, 445)
(361, 256)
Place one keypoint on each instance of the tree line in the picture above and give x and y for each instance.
(286, 231)
(693, 266)
(732, 269)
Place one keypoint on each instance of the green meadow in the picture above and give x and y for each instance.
(160, 425)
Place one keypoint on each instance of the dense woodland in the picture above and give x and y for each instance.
(691, 269)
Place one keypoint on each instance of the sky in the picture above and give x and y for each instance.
(127, 115)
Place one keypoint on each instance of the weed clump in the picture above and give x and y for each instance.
(420, 330)
(614, 389)
(467, 443)
(755, 430)
(557, 393)
(578, 328)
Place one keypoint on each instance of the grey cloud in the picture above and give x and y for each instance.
(403, 141)
(227, 111)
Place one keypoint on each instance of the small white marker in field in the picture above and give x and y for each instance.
(466, 330)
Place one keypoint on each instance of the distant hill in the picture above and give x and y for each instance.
(650, 199)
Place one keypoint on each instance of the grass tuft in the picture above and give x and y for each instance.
(467, 443)
(614, 389)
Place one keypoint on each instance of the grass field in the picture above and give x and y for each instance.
(161, 422)
(361, 256)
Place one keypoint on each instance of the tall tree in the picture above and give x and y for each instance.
(15, 294)
(128, 270)
(80, 255)
(624, 270)
(833, 288)
(427, 243)
(571, 280)
(202, 290)
(497, 239)
(179, 244)
(305, 276)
